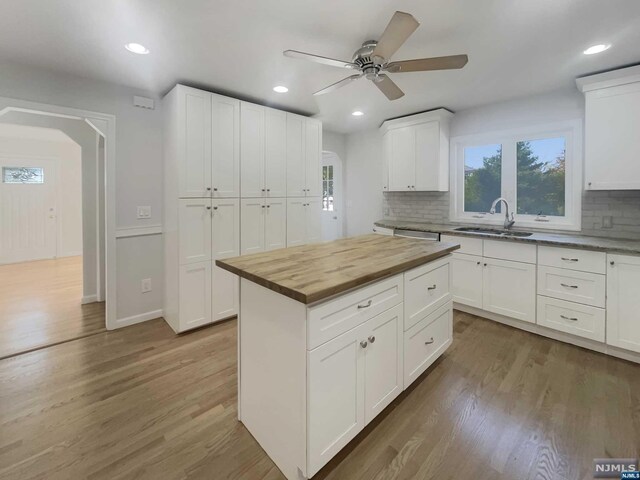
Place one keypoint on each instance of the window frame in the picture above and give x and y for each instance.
(570, 130)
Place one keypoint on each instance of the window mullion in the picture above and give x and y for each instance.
(509, 172)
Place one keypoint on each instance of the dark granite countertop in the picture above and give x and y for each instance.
(603, 244)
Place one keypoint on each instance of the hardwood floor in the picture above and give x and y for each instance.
(40, 305)
(144, 403)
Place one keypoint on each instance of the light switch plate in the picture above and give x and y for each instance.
(145, 285)
(144, 212)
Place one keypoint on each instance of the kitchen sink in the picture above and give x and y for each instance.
(493, 231)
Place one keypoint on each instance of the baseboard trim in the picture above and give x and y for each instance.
(69, 254)
(142, 317)
(552, 334)
(89, 299)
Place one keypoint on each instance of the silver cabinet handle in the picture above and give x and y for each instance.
(612, 263)
(432, 287)
(569, 286)
(372, 339)
(573, 319)
(215, 189)
(208, 189)
(430, 341)
(208, 207)
(569, 259)
(365, 306)
(215, 208)
(363, 344)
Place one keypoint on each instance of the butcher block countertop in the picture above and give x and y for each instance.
(315, 272)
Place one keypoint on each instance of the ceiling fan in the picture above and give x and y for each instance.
(373, 58)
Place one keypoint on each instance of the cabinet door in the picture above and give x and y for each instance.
(509, 288)
(251, 150)
(252, 213)
(623, 302)
(225, 228)
(296, 175)
(194, 218)
(195, 295)
(296, 221)
(466, 273)
(335, 397)
(276, 223)
(225, 164)
(313, 157)
(313, 220)
(194, 143)
(402, 163)
(275, 153)
(383, 361)
(428, 157)
(225, 293)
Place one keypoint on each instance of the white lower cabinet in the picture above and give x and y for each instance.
(569, 317)
(303, 220)
(225, 289)
(263, 224)
(195, 295)
(509, 289)
(623, 302)
(466, 272)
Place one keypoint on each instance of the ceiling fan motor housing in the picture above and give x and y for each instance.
(369, 65)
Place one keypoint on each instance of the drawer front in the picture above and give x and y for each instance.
(426, 341)
(505, 250)
(580, 287)
(470, 246)
(425, 289)
(569, 317)
(575, 259)
(334, 317)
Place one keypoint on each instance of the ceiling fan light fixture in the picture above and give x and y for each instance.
(357, 113)
(597, 49)
(280, 89)
(137, 48)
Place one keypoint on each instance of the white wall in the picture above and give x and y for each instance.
(334, 142)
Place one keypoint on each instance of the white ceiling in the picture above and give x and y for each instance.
(515, 47)
(22, 132)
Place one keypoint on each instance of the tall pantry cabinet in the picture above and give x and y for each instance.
(235, 174)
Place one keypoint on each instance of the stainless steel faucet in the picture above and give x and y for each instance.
(508, 222)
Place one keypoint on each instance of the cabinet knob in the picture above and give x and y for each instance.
(208, 207)
(431, 340)
(363, 344)
(208, 189)
(477, 263)
(215, 189)
(612, 263)
(215, 208)
(268, 206)
(485, 264)
(262, 206)
(372, 339)
(268, 189)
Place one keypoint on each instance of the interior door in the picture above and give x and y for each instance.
(252, 150)
(194, 117)
(194, 217)
(296, 177)
(275, 223)
(331, 214)
(402, 160)
(252, 218)
(296, 221)
(509, 288)
(313, 219)
(28, 212)
(275, 153)
(225, 165)
(313, 156)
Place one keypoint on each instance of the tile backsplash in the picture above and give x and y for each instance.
(622, 206)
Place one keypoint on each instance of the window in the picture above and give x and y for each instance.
(537, 170)
(327, 188)
(22, 175)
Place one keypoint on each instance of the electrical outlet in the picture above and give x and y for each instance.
(607, 221)
(144, 212)
(146, 285)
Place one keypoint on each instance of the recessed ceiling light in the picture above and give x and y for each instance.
(596, 49)
(280, 89)
(357, 113)
(137, 48)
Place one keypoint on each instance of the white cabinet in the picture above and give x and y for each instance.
(275, 228)
(303, 221)
(275, 170)
(612, 122)
(623, 302)
(195, 296)
(195, 230)
(416, 150)
(313, 220)
(252, 148)
(264, 224)
(225, 151)
(466, 271)
(224, 293)
(509, 289)
(303, 156)
(426, 289)
(225, 228)
(193, 142)
(312, 159)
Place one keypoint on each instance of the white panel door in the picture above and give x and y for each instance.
(275, 223)
(313, 215)
(335, 397)
(275, 153)
(296, 174)
(225, 293)
(296, 221)
(466, 274)
(427, 156)
(194, 140)
(509, 288)
(313, 157)
(623, 302)
(28, 213)
(225, 119)
(225, 228)
(252, 150)
(252, 219)
(194, 217)
(402, 160)
(195, 295)
(383, 361)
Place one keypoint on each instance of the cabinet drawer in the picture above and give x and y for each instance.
(334, 317)
(426, 341)
(575, 259)
(425, 289)
(505, 250)
(569, 317)
(470, 246)
(580, 287)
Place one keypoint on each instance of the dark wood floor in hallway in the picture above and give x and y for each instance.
(144, 403)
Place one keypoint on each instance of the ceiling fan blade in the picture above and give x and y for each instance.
(318, 59)
(425, 64)
(400, 27)
(337, 85)
(388, 87)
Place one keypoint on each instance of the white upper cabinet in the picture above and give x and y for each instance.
(275, 226)
(225, 162)
(275, 153)
(252, 218)
(194, 142)
(416, 150)
(313, 154)
(612, 123)
(304, 156)
(194, 216)
(252, 148)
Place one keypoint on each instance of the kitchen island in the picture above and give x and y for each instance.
(330, 333)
